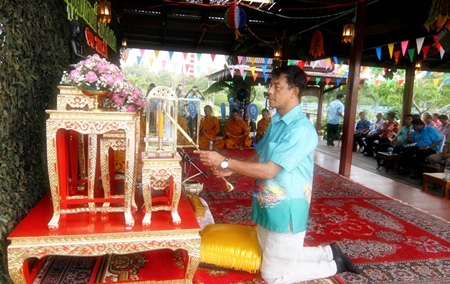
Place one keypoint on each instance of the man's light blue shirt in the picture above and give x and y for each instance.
(282, 203)
(334, 109)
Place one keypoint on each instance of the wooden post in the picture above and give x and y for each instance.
(408, 93)
(352, 96)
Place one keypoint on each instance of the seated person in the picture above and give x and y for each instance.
(209, 127)
(374, 129)
(435, 118)
(362, 128)
(428, 120)
(403, 136)
(444, 128)
(436, 159)
(263, 124)
(384, 138)
(181, 139)
(427, 141)
(235, 134)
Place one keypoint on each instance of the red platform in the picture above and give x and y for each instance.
(84, 234)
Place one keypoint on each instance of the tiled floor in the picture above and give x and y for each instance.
(432, 203)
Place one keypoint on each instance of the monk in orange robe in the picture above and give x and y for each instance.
(181, 139)
(236, 133)
(209, 127)
(263, 124)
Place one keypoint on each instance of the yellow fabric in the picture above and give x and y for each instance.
(119, 161)
(209, 127)
(231, 246)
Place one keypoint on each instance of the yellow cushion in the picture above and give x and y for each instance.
(231, 246)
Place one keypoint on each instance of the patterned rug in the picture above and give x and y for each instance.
(392, 241)
(56, 269)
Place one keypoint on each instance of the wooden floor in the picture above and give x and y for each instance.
(364, 171)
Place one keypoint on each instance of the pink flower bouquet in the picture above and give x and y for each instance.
(96, 73)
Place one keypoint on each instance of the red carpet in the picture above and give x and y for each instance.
(392, 241)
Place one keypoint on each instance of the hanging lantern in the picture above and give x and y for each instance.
(316, 48)
(418, 65)
(348, 33)
(124, 42)
(104, 11)
(235, 18)
(277, 54)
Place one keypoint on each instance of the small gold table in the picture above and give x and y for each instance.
(86, 234)
(439, 179)
(92, 123)
(163, 175)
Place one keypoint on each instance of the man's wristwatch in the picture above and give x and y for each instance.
(224, 164)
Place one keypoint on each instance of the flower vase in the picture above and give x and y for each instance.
(98, 97)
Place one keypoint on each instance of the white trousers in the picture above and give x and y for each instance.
(285, 260)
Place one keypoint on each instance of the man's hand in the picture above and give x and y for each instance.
(210, 158)
(219, 173)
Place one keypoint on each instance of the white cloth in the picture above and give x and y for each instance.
(286, 260)
(208, 218)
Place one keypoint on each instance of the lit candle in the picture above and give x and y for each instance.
(160, 123)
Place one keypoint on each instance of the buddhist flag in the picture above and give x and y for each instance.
(301, 64)
(241, 69)
(411, 54)
(419, 43)
(317, 80)
(391, 49)
(125, 55)
(378, 50)
(404, 46)
(425, 51)
(396, 55)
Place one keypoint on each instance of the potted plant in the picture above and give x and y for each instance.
(320, 133)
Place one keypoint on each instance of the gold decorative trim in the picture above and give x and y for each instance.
(72, 97)
(22, 248)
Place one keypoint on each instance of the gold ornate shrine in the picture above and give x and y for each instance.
(161, 172)
(92, 124)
